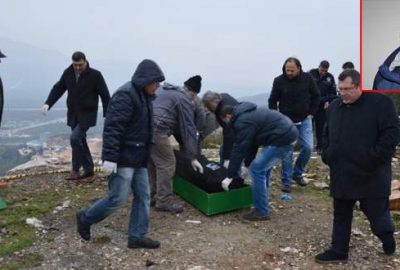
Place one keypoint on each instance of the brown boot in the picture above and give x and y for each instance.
(87, 175)
(73, 176)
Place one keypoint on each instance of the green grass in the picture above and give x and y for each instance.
(23, 204)
(26, 261)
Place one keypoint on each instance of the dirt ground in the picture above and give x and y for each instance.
(296, 232)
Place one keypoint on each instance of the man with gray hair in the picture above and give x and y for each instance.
(215, 103)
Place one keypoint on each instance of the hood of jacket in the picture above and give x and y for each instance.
(384, 69)
(147, 72)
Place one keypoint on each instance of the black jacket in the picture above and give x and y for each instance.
(228, 135)
(254, 127)
(358, 144)
(83, 96)
(128, 128)
(297, 97)
(1, 100)
(326, 86)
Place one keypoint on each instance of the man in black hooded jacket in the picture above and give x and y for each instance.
(127, 140)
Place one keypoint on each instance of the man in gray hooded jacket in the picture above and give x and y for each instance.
(173, 115)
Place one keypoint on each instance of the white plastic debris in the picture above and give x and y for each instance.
(193, 221)
(66, 204)
(289, 250)
(34, 222)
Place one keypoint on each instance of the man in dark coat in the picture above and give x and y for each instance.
(127, 139)
(360, 138)
(215, 103)
(327, 89)
(1, 92)
(254, 127)
(295, 94)
(84, 85)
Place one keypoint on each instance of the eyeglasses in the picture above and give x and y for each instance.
(347, 89)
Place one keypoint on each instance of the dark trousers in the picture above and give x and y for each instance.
(319, 120)
(377, 212)
(81, 156)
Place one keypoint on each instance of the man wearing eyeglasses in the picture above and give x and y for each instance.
(84, 85)
(360, 137)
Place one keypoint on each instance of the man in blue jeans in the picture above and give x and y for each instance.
(254, 127)
(295, 94)
(127, 139)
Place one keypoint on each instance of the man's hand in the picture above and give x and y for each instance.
(109, 167)
(45, 109)
(226, 163)
(326, 105)
(245, 172)
(225, 183)
(197, 166)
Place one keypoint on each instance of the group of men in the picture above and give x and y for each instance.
(357, 134)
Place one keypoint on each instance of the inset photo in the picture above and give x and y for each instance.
(380, 45)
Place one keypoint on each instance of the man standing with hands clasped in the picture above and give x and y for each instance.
(359, 140)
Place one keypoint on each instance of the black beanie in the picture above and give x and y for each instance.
(194, 83)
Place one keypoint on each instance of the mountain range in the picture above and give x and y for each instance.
(28, 74)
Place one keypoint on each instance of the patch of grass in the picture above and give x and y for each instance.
(26, 261)
(19, 235)
(102, 239)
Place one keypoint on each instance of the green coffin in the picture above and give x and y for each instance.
(212, 203)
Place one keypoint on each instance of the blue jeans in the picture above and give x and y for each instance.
(260, 172)
(306, 145)
(120, 185)
(81, 156)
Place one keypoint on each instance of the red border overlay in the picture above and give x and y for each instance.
(361, 88)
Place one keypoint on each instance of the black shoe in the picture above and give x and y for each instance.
(300, 181)
(389, 244)
(152, 202)
(173, 208)
(286, 189)
(87, 175)
(254, 215)
(83, 229)
(330, 256)
(143, 242)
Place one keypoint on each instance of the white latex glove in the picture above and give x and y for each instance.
(225, 183)
(197, 166)
(109, 167)
(45, 109)
(226, 163)
(245, 172)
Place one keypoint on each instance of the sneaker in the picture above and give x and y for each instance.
(300, 181)
(330, 256)
(73, 176)
(143, 242)
(389, 244)
(83, 229)
(286, 189)
(255, 216)
(173, 208)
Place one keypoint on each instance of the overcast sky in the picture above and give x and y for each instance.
(237, 46)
